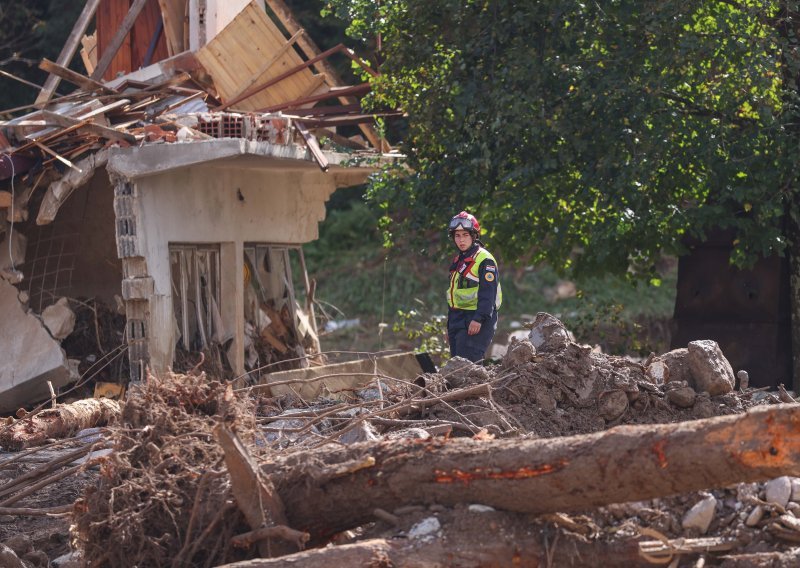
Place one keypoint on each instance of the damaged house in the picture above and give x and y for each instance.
(171, 193)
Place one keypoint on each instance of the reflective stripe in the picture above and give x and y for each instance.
(467, 298)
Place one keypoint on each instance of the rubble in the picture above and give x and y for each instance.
(631, 483)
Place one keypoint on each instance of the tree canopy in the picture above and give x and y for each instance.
(593, 135)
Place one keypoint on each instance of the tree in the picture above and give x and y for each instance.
(595, 135)
(32, 29)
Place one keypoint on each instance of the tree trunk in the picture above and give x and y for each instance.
(61, 422)
(329, 490)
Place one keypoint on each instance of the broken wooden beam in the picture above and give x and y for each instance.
(61, 422)
(254, 494)
(68, 50)
(627, 463)
(73, 77)
(99, 130)
(313, 146)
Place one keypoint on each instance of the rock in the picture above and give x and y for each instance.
(426, 529)
(612, 405)
(744, 379)
(699, 517)
(548, 333)
(704, 407)
(69, 560)
(19, 543)
(711, 371)
(657, 372)
(681, 395)
(677, 361)
(37, 558)
(778, 491)
(8, 559)
(409, 434)
(59, 319)
(796, 489)
(363, 432)
(755, 516)
(519, 352)
(478, 508)
(460, 372)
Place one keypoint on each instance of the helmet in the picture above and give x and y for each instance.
(466, 222)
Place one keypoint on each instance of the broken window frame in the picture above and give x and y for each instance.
(197, 321)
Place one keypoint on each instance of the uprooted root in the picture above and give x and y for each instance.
(163, 497)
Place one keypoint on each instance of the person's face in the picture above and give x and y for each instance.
(462, 239)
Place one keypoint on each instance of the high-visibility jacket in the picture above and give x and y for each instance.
(465, 282)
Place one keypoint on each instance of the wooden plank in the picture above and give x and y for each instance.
(97, 129)
(313, 146)
(119, 37)
(68, 51)
(284, 14)
(73, 77)
(89, 52)
(286, 74)
(61, 159)
(238, 54)
(338, 92)
(173, 13)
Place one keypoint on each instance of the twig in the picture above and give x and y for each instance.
(289, 534)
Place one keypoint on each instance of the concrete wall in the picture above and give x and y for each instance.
(231, 202)
(79, 245)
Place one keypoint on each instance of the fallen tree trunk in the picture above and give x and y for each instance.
(61, 422)
(328, 490)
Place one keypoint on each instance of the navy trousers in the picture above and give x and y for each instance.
(472, 347)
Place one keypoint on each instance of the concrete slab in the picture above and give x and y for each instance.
(339, 380)
(30, 357)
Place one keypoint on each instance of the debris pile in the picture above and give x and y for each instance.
(201, 474)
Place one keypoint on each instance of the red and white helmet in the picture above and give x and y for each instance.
(465, 221)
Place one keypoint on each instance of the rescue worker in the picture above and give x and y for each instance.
(474, 295)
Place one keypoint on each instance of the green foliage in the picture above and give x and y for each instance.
(427, 331)
(595, 136)
(31, 30)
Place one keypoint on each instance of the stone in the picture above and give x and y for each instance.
(778, 491)
(612, 405)
(17, 253)
(744, 379)
(701, 514)
(518, 353)
(711, 371)
(37, 558)
(677, 361)
(19, 543)
(8, 559)
(657, 372)
(426, 529)
(69, 560)
(548, 334)
(363, 432)
(478, 508)
(681, 395)
(755, 516)
(460, 372)
(59, 319)
(795, 489)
